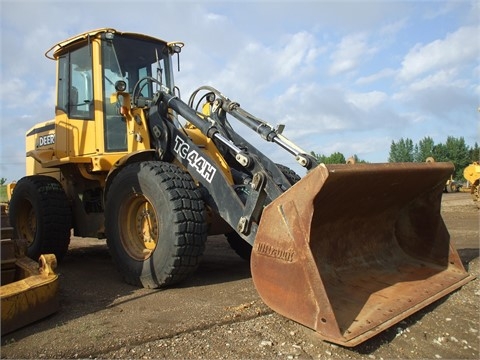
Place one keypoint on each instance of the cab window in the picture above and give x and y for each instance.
(75, 84)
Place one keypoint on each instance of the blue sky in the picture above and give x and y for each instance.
(346, 76)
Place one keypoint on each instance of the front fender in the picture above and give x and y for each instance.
(137, 156)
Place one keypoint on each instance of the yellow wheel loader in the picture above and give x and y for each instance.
(451, 185)
(347, 250)
(472, 174)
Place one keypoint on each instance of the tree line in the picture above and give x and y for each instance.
(335, 158)
(454, 150)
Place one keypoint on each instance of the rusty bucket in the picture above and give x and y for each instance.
(351, 250)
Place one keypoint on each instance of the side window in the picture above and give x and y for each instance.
(115, 135)
(62, 100)
(80, 92)
(111, 69)
(142, 72)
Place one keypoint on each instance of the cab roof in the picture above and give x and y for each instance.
(57, 49)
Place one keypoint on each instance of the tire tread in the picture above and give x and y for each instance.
(189, 229)
(53, 211)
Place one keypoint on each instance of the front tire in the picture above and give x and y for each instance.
(155, 224)
(39, 212)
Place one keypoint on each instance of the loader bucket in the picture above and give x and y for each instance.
(351, 250)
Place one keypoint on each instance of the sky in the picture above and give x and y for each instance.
(342, 76)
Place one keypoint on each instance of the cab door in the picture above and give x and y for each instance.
(75, 125)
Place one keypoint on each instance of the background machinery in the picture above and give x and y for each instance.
(451, 185)
(127, 160)
(472, 174)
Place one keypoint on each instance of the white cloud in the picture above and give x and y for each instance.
(16, 93)
(367, 101)
(313, 109)
(453, 51)
(393, 28)
(442, 8)
(361, 146)
(349, 53)
(299, 51)
(382, 74)
(24, 103)
(259, 69)
(441, 78)
(216, 18)
(476, 86)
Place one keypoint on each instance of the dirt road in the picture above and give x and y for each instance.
(218, 314)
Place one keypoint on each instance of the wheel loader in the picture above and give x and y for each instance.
(451, 185)
(346, 250)
(472, 174)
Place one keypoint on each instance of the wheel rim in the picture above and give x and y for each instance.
(26, 223)
(139, 225)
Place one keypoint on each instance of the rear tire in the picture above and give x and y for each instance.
(39, 212)
(155, 224)
(236, 242)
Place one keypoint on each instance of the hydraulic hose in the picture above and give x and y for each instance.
(204, 125)
(173, 102)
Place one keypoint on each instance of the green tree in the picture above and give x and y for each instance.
(3, 181)
(424, 149)
(440, 152)
(459, 153)
(357, 160)
(454, 150)
(401, 151)
(335, 158)
(317, 157)
(474, 153)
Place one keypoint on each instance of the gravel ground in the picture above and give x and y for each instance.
(218, 315)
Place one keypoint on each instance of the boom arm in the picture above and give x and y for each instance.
(265, 184)
(265, 130)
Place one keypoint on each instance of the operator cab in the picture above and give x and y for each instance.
(89, 67)
(129, 59)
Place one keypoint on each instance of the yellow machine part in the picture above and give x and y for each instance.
(350, 250)
(472, 174)
(210, 149)
(29, 290)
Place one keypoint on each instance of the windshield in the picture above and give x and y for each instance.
(130, 59)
